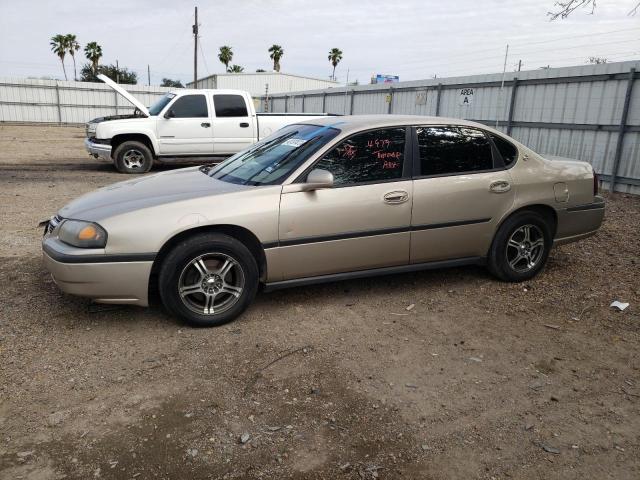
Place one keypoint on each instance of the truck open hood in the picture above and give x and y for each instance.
(125, 94)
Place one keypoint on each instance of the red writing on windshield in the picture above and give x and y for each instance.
(349, 151)
(387, 164)
(384, 155)
(378, 143)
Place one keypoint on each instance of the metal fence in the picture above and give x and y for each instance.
(590, 112)
(51, 101)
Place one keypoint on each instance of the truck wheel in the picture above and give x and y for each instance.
(521, 247)
(133, 157)
(208, 279)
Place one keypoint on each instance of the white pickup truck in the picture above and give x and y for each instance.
(183, 124)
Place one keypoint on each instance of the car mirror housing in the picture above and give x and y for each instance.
(317, 179)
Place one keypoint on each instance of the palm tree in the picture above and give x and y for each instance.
(59, 47)
(225, 56)
(93, 52)
(276, 52)
(335, 55)
(235, 69)
(72, 47)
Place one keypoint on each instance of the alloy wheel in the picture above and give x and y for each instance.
(133, 159)
(211, 284)
(525, 248)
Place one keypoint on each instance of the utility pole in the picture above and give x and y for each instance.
(519, 64)
(117, 72)
(148, 75)
(195, 51)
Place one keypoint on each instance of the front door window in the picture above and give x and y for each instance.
(373, 156)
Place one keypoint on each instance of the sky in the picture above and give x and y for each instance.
(414, 39)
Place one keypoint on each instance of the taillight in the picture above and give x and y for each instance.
(595, 183)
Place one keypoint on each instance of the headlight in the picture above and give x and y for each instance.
(82, 234)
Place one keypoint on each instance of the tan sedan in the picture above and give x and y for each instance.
(329, 199)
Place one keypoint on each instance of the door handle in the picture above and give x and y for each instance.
(244, 125)
(205, 124)
(397, 196)
(499, 186)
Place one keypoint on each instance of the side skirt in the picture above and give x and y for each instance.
(336, 277)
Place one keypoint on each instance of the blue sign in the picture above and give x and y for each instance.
(386, 78)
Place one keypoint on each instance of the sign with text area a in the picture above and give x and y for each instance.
(465, 97)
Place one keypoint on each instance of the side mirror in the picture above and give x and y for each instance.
(169, 114)
(317, 179)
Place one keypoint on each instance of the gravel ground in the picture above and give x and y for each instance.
(480, 379)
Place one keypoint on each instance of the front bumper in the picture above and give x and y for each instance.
(578, 222)
(96, 275)
(98, 150)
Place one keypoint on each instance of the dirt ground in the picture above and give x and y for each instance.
(480, 379)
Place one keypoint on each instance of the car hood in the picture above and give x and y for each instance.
(125, 94)
(145, 192)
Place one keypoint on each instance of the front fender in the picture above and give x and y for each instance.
(143, 126)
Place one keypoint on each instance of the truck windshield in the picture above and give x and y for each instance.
(271, 161)
(157, 107)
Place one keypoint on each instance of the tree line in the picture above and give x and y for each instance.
(63, 45)
(276, 52)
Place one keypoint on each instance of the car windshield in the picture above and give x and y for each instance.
(157, 107)
(271, 160)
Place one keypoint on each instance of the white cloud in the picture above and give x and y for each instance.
(414, 39)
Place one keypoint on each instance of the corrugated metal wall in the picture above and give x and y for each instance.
(572, 112)
(50, 101)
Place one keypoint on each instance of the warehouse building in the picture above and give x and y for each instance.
(256, 83)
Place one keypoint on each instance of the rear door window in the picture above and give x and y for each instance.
(508, 151)
(453, 150)
(229, 105)
(373, 156)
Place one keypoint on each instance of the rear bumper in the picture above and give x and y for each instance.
(580, 221)
(98, 150)
(105, 281)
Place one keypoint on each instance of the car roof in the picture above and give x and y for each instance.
(191, 91)
(348, 123)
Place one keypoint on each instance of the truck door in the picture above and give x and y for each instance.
(233, 126)
(185, 127)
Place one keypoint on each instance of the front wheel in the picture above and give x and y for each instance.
(133, 157)
(208, 279)
(521, 247)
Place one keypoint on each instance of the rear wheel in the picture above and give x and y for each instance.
(208, 279)
(521, 247)
(133, 157)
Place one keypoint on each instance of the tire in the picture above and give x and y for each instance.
(516, 256)
(133, 157)
(193, 287)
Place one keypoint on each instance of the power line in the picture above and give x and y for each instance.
(533, 62)
(516, 44)
(577, 36)
(204, 60)
(587, 45)
(471, 58)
